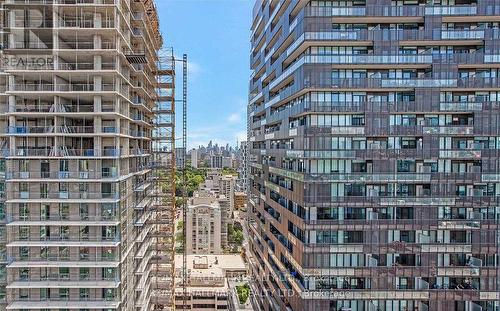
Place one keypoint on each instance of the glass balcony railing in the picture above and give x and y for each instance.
(460, 154)
(392, 10)
(85, 23)
(32, 195)
(364, 177)
(57, 238)
(369, 59)
(89, 258)
(418, 82)
(30, 129)
(451, 10)
(76, 87)
(329, 11)
(461, 106)
(399, 34)
(51, 152)
(462, 34)
(449, 130)
(63, 218)
(110, 172)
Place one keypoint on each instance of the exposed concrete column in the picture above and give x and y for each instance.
(97, 62)
(97, 103)
(97, 42)
(97, 83)
(97, 20)
(56, 138)
(12, 103)
(97, 123)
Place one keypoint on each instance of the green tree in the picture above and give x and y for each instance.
(180, 225)
(194, 177)
(243, 292)
(179, 201)
(235, 236)
(229, 171)
(179, 241)
(238, 238)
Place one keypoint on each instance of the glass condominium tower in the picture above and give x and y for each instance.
(82, 90)
(374, 137)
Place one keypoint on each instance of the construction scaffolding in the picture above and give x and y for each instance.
(163, 178)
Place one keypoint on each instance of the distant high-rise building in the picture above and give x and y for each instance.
(206, 223)
(242, 167)
(374, 155)
(227, 185)
(216, 161)
(180, 157)
(194, 158)
(227, 162)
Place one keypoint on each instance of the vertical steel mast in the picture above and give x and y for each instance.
(184, 176)
(163, 199)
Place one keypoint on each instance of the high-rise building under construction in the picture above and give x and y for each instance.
(374, 137)
(86, 119)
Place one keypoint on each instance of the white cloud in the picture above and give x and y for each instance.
(194, 68)
(241, 136)
(234, 118)
(239, 116)
(230, 130)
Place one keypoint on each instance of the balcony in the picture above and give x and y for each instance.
(460, 154)
(93, 260)
(30, 195)
(65, 129)
(62, 303)
(70, 220)
(449, 130)
(461, 106)
(369, 59)
(462, 34)
(67, 22)
(451, 10)
(19, 130)
(388, 10)
(402, 35)
(330, 11)
(45, 107)
(91, 240)
(68, 152)
(85, 66)
(86, 45)
(418, 83)
(64, 282)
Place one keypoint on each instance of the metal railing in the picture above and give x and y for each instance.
(29, 195)
(70, 217)
(72, 238)
(110, 172)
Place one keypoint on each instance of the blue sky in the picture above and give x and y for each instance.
(215, 35)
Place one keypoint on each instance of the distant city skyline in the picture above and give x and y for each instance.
(214, 143)
(219, 33)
